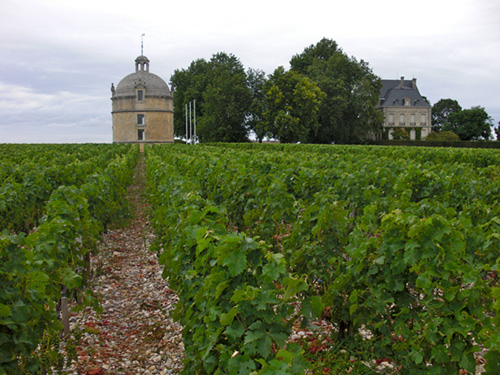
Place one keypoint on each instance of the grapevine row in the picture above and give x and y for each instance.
(29, 175)
(38, 269)
(404, 246)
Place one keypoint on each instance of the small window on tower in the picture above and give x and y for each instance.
(140, 119)
(140, 134)
(140, 95)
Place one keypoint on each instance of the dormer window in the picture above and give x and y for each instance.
(407, 102)
(140, 95)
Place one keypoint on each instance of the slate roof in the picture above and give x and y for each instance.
(393, 93)
(154, 85)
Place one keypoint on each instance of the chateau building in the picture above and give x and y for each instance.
(403, 107)
(142, 107)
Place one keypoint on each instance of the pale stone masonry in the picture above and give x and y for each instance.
(403, 107)
(142, 107)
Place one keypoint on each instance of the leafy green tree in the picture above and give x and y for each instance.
(400, 134)
(470, 124)
(226, 101)
(256, 80)
(497, 131)
(222, 98)
(440, 112)
(442, 136)
(291, 107)
(347, 114)
(189, 84)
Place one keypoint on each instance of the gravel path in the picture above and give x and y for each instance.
(134, 334)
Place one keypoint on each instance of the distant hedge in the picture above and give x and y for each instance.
(460, 144)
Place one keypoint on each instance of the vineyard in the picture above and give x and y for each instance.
(286, 259)
(396, 248)
(55, 200)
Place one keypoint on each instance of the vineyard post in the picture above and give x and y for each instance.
(186, 123)
(65, 315)
(190, 125)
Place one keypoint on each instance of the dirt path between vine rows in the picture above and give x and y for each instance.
(134, 334)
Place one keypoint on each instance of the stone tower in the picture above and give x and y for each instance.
(143, 109)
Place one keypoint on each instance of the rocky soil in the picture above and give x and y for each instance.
(134, 334)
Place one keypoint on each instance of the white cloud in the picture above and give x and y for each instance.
(31, 116)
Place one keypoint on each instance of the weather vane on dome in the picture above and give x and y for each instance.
(142, 44)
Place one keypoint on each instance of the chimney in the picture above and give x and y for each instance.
(402, 82)
(414, 83)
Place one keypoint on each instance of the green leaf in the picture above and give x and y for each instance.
(492, 362)
(353, 298)
(440, 354)
(417, 357)
(293, 286)
(285, 355)
(253, 336)
(220, 288)
(423, 281)
(275, 267)
(5, 311)
(353, 308)
(232, 255)
(235, 330)
(247, 294)
(468, 362)
(317, 305)
(241, 365)
(227, 318)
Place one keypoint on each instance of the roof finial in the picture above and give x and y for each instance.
(142, 44)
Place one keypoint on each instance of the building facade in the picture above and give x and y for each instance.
(143, 109)
(404, 108)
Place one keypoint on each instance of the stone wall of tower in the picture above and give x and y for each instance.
(158, 124)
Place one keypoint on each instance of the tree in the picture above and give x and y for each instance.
(497, 131)
(222, 98)
(189, 84)
(226, 101)
(291, 107)
(400, 134)
(470, 124)
(440, 112)
(442, 136)
(256, 80)
(347, 114)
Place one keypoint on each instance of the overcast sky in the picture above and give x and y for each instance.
(58, 58)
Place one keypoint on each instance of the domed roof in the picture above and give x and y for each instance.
(153, 84)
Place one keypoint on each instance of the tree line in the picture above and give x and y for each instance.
(450, 121)
(325, 97)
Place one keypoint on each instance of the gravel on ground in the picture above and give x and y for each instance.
(135, 333)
